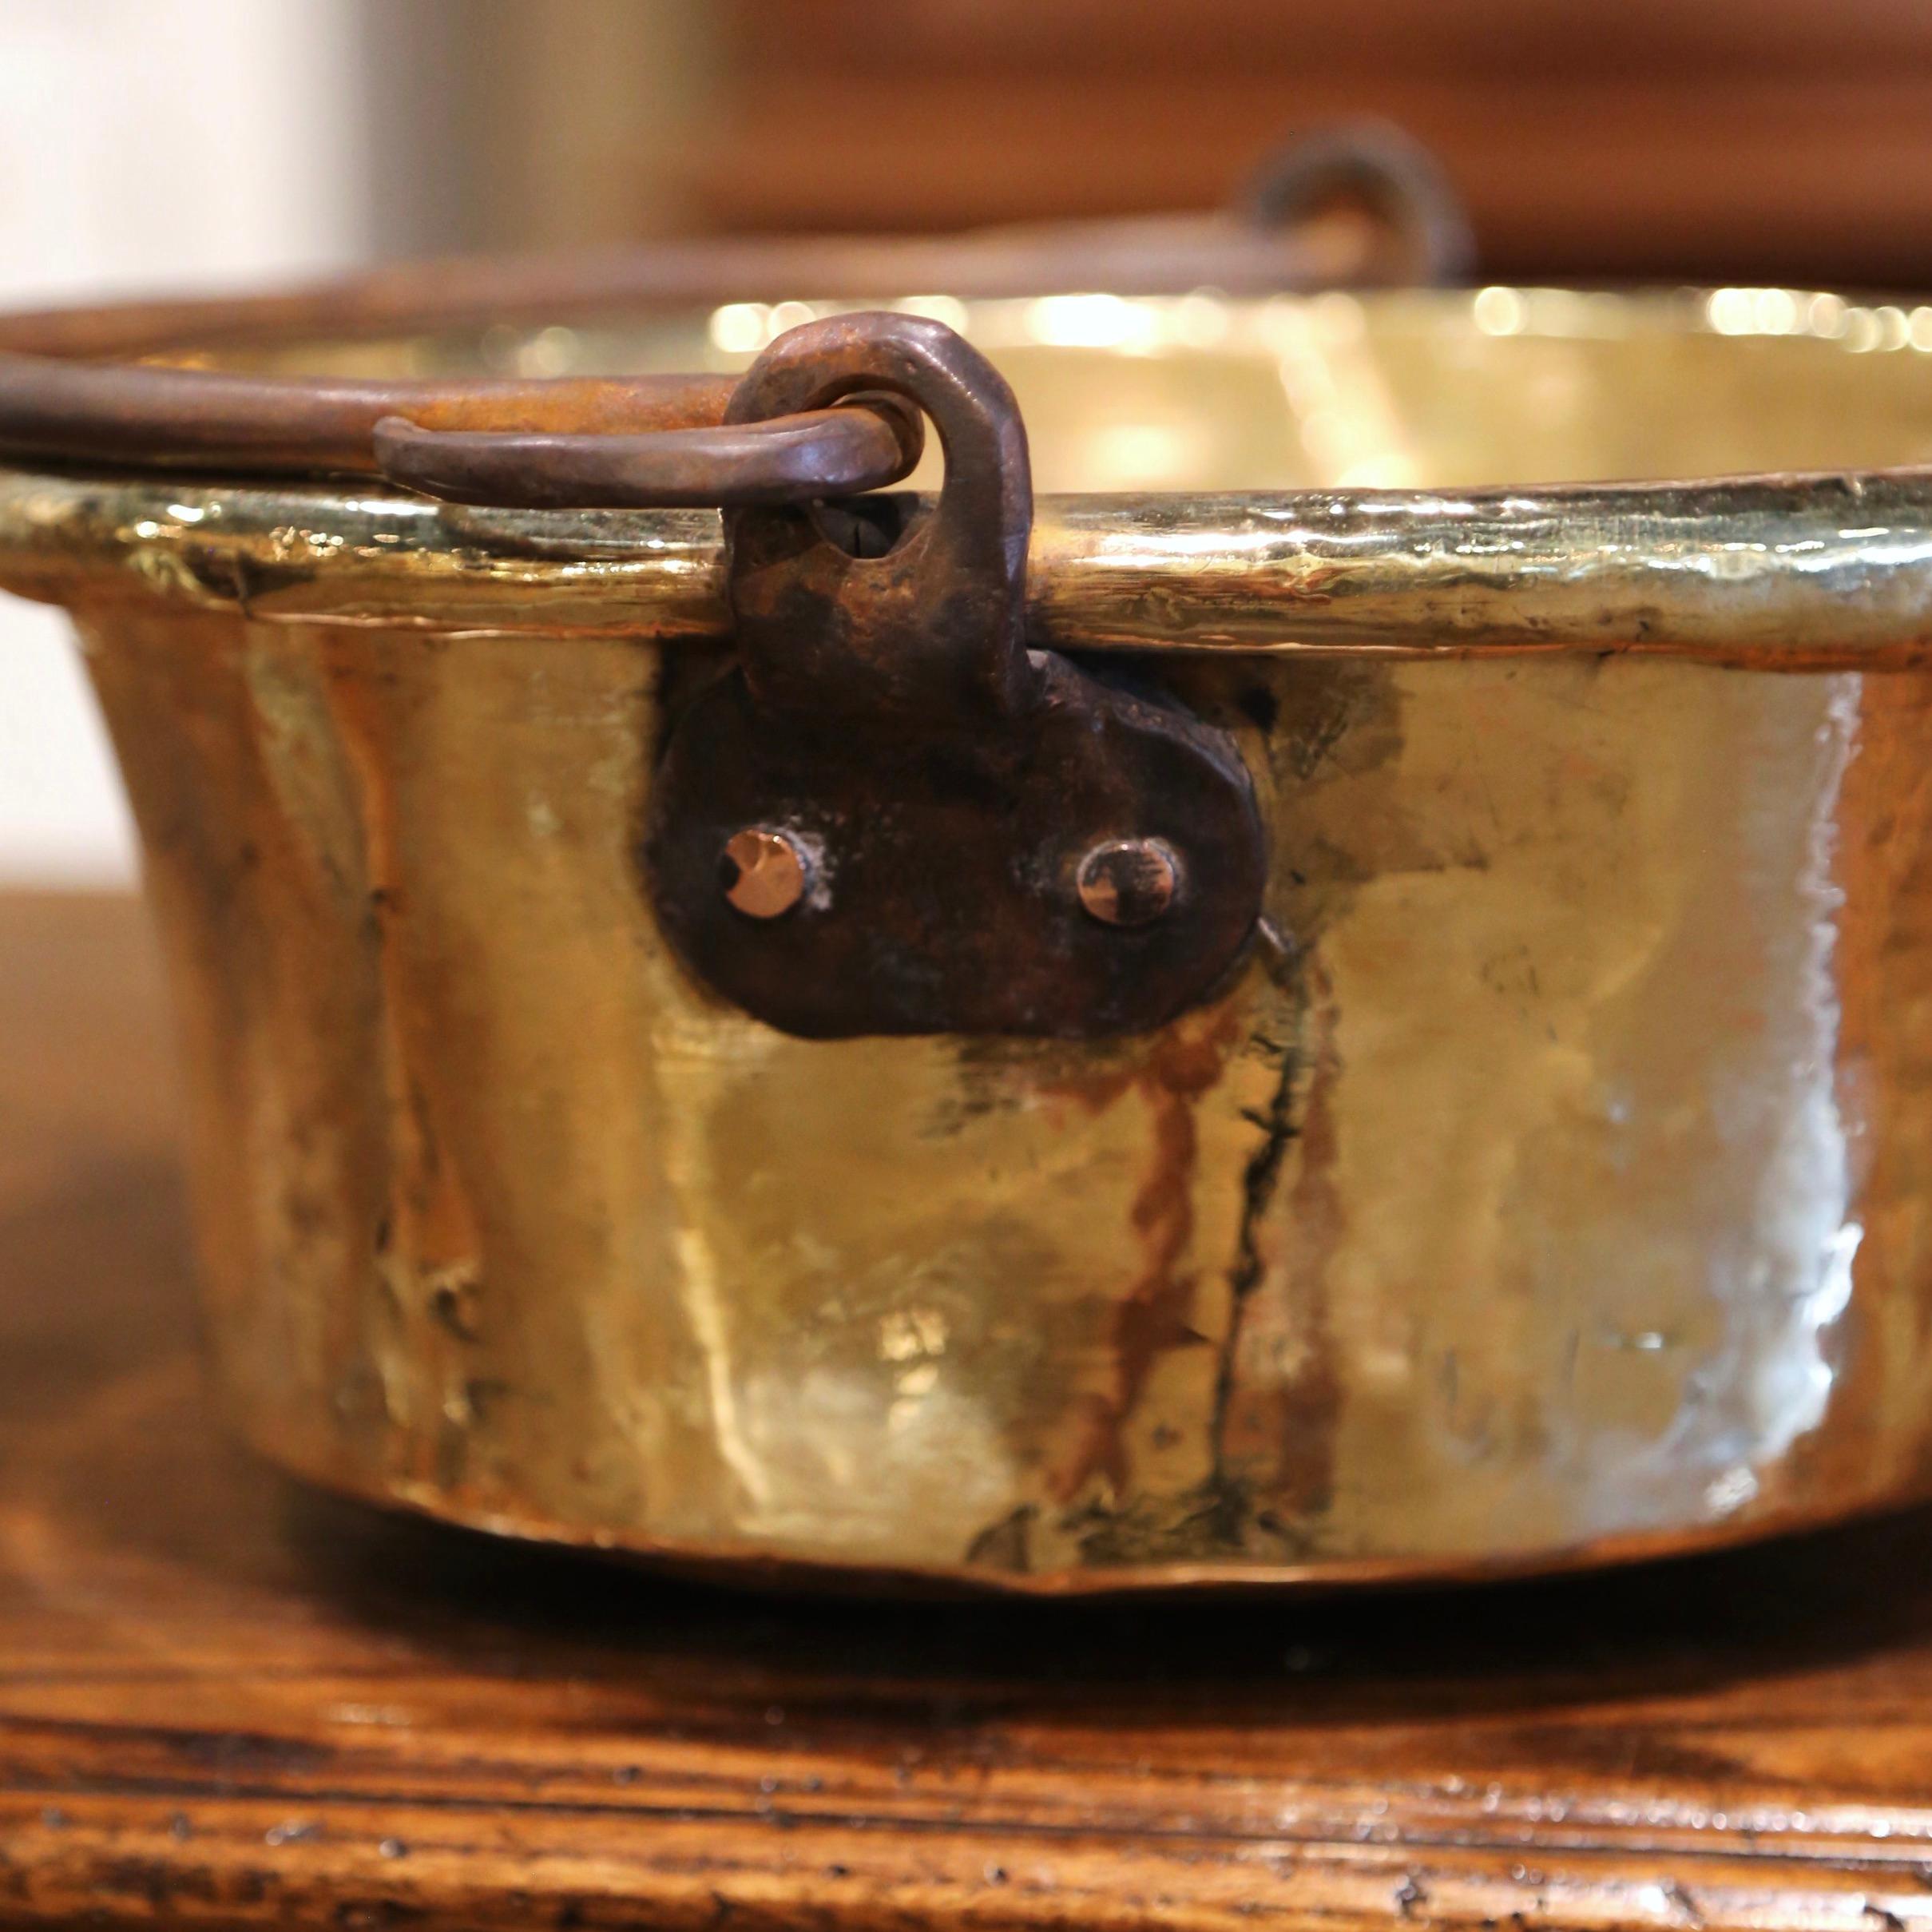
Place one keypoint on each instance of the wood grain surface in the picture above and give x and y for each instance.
(223, 1702)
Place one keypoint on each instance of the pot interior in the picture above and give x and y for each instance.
(1416, 389)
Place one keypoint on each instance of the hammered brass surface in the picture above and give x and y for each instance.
(1564, 1185)
(1553, 1187)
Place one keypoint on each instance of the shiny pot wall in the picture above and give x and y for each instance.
(1553, 1180)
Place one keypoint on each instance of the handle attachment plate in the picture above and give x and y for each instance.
(972, 837)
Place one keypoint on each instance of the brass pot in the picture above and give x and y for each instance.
(1547, 1178)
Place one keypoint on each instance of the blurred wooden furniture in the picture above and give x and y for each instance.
(1744, 138)
(1759, 138)
(225, 1702)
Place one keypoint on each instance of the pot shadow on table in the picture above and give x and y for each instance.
(1674, 1627)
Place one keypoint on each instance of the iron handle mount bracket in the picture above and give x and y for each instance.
(890, 815)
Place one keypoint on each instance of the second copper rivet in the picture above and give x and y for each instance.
(1128, 882)
(764, 873)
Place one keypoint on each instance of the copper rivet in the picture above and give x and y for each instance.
(1128, 882)
(764, 873)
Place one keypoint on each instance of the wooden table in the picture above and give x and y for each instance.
(225, 1702)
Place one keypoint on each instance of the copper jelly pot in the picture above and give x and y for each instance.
(1273, 980)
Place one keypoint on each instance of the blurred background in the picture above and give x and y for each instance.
(234, 142)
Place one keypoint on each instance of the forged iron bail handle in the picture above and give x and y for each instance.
(1384, 169)
(786, 441)
(86, 385)
(799, 457)
(143, 414)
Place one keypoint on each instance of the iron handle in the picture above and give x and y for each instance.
(88, 386)
(1390, 174)
(822, 453)
(149, 414)
(791, 459)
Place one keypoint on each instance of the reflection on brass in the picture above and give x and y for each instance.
(1559, 1193)
(764, 873)
(1128, 882)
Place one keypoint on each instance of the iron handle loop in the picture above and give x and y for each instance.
(795, 458)
(1389, 173)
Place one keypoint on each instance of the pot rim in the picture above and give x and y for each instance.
(1800, 571)
(1797, 573)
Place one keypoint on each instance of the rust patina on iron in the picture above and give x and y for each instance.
(952, 792)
